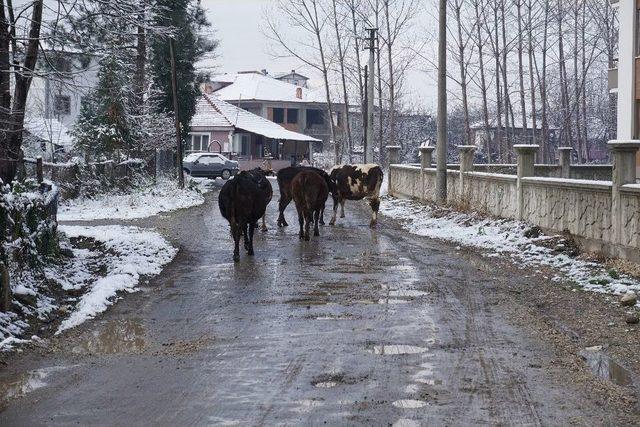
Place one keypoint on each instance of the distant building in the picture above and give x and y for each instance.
(293, 78)
(294, 107)
(221, 127)
(624, 77)
(64, 79)
(518, 134)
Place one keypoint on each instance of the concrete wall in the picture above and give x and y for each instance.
(582, 207)
(590, 172)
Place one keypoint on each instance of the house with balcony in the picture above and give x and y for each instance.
(624, 75)
(221, 127)
(293, 106)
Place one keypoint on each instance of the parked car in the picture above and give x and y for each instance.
(209, 165)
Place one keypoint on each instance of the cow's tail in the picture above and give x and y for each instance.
(376, 191)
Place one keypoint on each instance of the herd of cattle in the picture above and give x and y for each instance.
(244, 199)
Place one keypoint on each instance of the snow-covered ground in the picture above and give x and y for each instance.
(146, 202)
(501, 237)
(136, 252)
(112, 259)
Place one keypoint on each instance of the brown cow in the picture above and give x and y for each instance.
(310, 193)
(285, 176)
(356, 182)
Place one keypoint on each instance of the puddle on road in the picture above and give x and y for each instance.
(306, 302)
(326, 384)
(405, 422)
(27, 383)
(396, 349)
(407, 293)
(409, 404)
(118, 336)
(605, 367)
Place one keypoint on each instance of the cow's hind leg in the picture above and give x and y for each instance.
(375, 206)
(236, 231)
(342, 208)
(316, 219)
(321, 220)
(250, 240)
(308, 219)
(301, 222)
(282, 205)
(264, 223)
(335, 214)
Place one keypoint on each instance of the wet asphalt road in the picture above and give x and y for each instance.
(359, 326)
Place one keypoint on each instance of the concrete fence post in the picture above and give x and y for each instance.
(526, 162)
(565, 161)
(624, 172)
(426, 158)
(467, 153)
(394, 158)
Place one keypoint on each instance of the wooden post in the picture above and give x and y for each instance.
(5, 286)
(39, 170)
(174, 86)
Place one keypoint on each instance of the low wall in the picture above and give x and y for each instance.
(581, 207)
(590, 172)
(584, 208)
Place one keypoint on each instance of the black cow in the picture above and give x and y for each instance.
(243, 201)
(356, 182)
(259, 176)
(310, 192)
(285, 176)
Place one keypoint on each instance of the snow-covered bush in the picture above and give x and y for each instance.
(28, 224)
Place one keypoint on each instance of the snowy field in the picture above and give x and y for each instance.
(506, 238)
(146, 202)
(131, 255)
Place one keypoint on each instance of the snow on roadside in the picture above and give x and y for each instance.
(136, 252)
(106, 260)
(501, 237)
(163, 197)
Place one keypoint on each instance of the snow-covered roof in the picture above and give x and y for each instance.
(493, 123)
(219, 111)
(207, 116)
(258, 87)
(291, 73)
(50, 130)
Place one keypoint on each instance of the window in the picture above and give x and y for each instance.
(62, 105)
(292, 115)
(278, 115)
(315, 117)
(210, 160)
(199, 142)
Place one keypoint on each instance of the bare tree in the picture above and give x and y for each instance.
(310, 17)
(19, 74)
(337, 22)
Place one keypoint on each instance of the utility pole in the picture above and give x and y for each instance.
(174, 87)
(441, 146)
(372, 46)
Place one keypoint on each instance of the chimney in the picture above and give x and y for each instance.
(207, 88)
(299, 92)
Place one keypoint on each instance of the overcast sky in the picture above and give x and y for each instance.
(243, 47)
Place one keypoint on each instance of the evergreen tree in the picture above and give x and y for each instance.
(187, 21)
(104, 127)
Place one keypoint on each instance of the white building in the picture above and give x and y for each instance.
(625, 79)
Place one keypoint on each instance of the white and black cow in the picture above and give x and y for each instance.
(357, 182)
